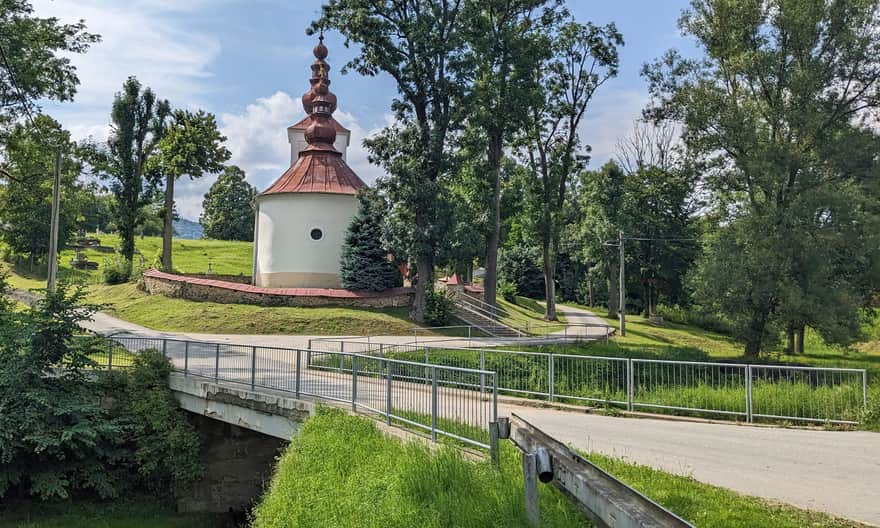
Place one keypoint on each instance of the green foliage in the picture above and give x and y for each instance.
(228, 208)
(420, 45)
(507, 290)
(116, 270)
(695, 316)
(506, 42)
(583, 57)
(520, 266)
(166, 451)
(382, 482)
(791, 165)
(439, 307)
(63, 433)
(38, 51)
(364, 263)
(28, 157)
(191, 145)
(139, 123)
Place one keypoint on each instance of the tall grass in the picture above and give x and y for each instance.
(341, 471)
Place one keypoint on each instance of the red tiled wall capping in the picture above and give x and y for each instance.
(156, 282)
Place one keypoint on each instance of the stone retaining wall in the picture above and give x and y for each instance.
(212, 290)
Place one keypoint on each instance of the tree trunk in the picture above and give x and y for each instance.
(756, 332)
(491, 280)
(789, 334)
(424, 279)
(799, 338)
(168, 227)
(613, 287)
(549, 282)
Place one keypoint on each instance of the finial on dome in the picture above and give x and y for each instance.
(320, 50)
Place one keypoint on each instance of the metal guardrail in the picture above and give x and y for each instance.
(449, 401)
(713, 389)
(605, 500)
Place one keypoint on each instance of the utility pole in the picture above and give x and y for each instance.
(622, 308)
(53, 230)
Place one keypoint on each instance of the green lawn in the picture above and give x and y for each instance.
(178, 315)
(226, 257)
(528, 314)
(342, 471)
(139, 513)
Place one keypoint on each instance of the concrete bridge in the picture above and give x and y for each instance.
(831, 471)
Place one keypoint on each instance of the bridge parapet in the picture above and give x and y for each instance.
(265, 412)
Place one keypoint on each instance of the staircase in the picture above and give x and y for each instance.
(484, 316)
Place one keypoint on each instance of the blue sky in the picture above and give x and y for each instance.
(248, 63)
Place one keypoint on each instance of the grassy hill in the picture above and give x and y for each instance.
(225, 257)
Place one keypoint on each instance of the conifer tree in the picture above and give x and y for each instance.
(364, 264)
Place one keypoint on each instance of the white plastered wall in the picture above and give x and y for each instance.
(285, 254)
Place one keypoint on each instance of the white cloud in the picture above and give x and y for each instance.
(139, 39)
(257, 138)
(609, 118)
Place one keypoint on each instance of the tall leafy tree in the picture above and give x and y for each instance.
(784, 90)
(28, 155)
(138, 123)
(35, 57)
(228, 208)
(364, 263)
(601, 204)
(584, 57)
(420, 45)
(506, 42)
(191, 145)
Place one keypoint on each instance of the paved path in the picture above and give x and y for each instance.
(832, 471)
(836, 472)
(597, 327)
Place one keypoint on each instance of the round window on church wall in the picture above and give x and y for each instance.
(316, 234)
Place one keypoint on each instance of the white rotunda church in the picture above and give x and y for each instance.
(301, 219)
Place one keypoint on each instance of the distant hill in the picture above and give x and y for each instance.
(187, 229)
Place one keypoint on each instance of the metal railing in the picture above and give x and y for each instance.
(737, 391)
(453, 402)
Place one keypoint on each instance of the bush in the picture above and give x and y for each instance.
(64, 433)
(694, 316)
(507, 290)
(116, 270)
(438, 307)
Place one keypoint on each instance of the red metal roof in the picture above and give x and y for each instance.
(304, 124)
(336, 293)
(317, 172)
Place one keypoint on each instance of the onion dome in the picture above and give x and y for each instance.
(320, 167)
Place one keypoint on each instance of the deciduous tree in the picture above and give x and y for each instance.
(420, 45)
(584, 57)
(228, 208)
(783, 91)
(138, 123)
(191, 145)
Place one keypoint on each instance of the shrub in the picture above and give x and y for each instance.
(694, 316)
(116, 270)
(438, 307)
(63, 433)
(507, 290)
